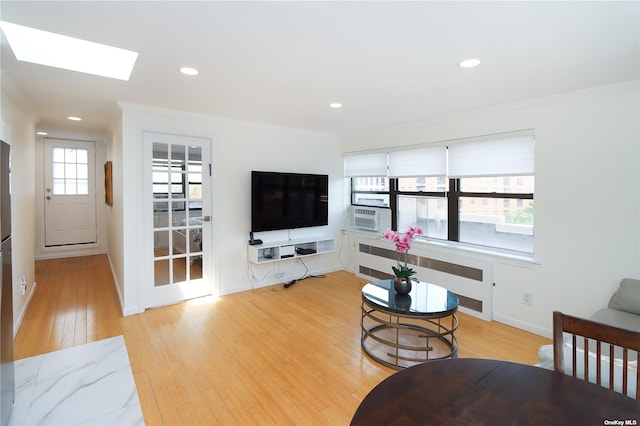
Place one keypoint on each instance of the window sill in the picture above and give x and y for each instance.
(494, 255)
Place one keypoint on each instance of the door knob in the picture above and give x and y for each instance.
(207, 218)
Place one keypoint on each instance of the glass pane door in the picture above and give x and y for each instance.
(177, 210)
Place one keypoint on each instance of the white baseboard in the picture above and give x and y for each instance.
(69, 251)
(18, 321)
(248, 286)
(115, 282)
(132, 310)
(544, 332)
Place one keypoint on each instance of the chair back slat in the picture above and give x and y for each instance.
(591, 331)
(625, 361)
(598, 364)
(611, 347)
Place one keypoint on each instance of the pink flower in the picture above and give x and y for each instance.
(403, 245)
(390, 235)
(403, 241)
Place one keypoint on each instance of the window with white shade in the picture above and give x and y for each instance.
(369, 183)
(367, 164)
(477, 191)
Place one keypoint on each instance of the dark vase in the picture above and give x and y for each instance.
(402, 286)
(402, 302)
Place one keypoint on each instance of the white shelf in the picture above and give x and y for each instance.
(290, 249)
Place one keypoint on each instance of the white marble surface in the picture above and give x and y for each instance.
(90, 384)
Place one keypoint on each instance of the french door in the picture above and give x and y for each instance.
(178, 218)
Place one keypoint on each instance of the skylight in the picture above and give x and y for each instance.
(55, 50)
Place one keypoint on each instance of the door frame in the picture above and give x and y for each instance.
(147, 271)
(41, 251)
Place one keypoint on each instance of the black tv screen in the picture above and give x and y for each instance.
(288, 200)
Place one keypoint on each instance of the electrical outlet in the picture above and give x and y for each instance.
(23, 285)
(527, 298)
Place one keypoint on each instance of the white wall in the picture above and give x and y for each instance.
(114, 215)
(587, 197)
(238, 148)
(18, 130)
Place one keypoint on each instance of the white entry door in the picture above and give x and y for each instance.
(178, 218)
(70, 192)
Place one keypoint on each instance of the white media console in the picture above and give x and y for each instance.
(290, 249)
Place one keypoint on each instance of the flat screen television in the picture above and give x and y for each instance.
(288, 200)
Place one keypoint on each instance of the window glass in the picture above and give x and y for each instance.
(370, 184)
(486, 223)
(379, 200)
(423, 184)
(428, 212)
(499, 184)
(370, 191)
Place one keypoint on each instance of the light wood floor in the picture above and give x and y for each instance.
(271, 356)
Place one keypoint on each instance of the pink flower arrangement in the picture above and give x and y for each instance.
(403, 245)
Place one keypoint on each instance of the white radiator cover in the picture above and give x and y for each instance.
(468, 277)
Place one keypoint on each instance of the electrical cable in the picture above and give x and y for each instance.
(303, 277)
(253, 280)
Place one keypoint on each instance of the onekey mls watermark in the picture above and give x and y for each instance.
(627, 422)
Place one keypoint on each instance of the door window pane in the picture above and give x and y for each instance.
(70, 171)
(83, 186)
(82, 157)
(179, 269)
(161, 272)
(58, 170)
(83, 171)
(70, 187)
(177, 187)
(195, 267)
(58, 155)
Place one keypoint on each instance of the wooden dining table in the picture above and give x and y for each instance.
(491, 392)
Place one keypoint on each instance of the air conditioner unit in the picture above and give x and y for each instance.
(366, 218)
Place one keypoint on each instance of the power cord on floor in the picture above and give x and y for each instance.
(303, 277)
(292, 282)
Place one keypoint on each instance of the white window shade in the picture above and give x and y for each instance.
(498, 155)
(361, 165)
(431, 161)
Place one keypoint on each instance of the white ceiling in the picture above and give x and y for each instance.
(282, 63)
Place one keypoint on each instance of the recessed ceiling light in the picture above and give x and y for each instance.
(72, 118)
(55, 50)
(189, 71)
(469, 63)
(42, 133)
(335, 105)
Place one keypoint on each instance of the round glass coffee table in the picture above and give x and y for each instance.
(402, 331)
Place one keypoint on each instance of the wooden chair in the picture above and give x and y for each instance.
(593, 334)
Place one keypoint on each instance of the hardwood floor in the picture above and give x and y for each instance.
(269, 356)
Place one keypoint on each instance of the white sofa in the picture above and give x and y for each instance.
(623, 311)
